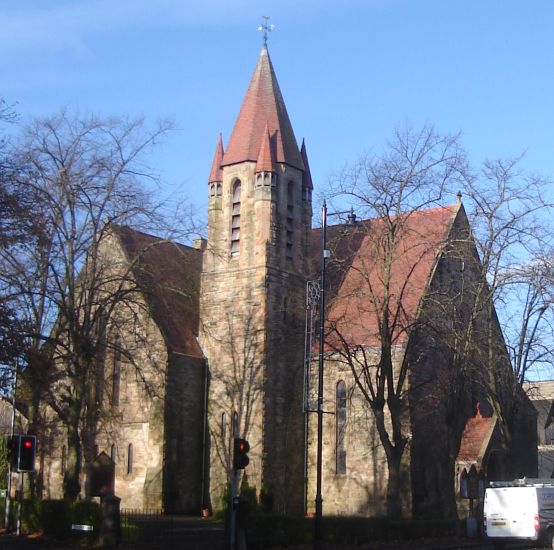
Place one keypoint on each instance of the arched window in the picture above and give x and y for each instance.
(112, 453)
(235, 220)
(340, 418)
(130, 458)
(116, 372)
(290, 217)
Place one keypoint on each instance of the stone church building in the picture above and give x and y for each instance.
(219, 332)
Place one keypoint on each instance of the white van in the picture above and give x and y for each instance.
(519, 510)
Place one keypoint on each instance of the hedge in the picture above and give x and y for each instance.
(55, 517)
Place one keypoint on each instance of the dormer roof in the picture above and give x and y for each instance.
(263, 105)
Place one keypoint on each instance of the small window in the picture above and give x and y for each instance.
(340, 427)
(112, 453)
(130, 459)
(290, 219)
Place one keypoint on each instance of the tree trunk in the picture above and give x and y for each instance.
(394, 497)
(71, 481)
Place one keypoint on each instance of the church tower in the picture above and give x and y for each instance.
(252, 297)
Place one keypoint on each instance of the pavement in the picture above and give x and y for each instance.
(199, 540)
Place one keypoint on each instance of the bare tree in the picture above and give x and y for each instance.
(412, 175)
(238, 386)
(508, 211)
(419, 170)
(83, 174)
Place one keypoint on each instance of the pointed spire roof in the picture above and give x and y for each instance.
(307, 176)
(265, 161)
(263, 104)
(216, 173)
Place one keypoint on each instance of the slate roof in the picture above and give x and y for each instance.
(168, 275)
(356, 280)
(476, 438)
(263, 104)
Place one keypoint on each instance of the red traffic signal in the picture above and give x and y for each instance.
(26, 453)
(240, 453)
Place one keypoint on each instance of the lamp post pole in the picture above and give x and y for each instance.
(318, 497)
(325, 254)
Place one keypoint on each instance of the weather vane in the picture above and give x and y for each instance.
(266, 28)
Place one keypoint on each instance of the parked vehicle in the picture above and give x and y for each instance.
(518, 510)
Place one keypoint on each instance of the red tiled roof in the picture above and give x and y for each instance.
(168, 274)
(216, 174)
(476, 438)
(357, 275)
(263, 104)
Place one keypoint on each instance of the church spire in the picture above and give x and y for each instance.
(263, 105)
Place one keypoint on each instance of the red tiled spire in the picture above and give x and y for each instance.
(263, 104)
(307, 176)
(265, 161)
(216, 174)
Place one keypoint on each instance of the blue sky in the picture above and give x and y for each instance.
(350, 72)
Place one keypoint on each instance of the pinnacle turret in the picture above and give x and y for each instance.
(216, 173)
(265, 162)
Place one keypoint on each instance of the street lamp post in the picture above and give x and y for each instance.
(325, 254)
(318, 497)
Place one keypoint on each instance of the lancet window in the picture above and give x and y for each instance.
(235, 220)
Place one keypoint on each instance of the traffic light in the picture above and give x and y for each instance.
(26, 453)
(240, 453)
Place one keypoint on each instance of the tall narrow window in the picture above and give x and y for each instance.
(341, 427)
(112, 453)
(116, 373)
(130, 458)
(235, 220)
(290, 217)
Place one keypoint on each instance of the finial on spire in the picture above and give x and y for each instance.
(266, 28)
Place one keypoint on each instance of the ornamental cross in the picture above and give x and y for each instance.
(266, 28)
